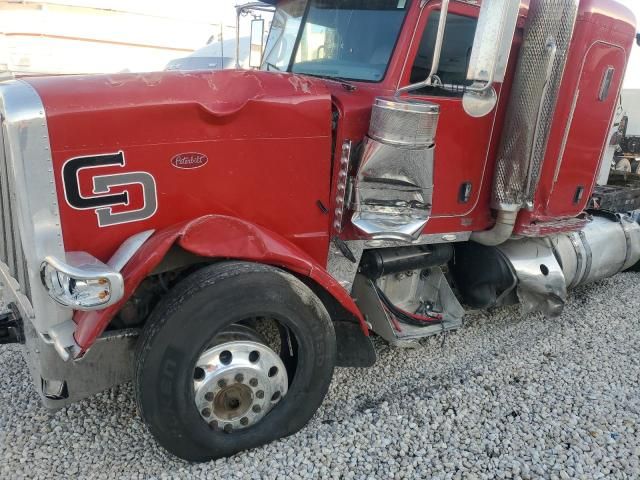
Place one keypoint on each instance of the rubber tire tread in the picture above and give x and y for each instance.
(166, 354)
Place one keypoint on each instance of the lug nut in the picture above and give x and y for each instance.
(239, 378)
(222, 383)
(256, 409)
(253, 382)
(206, 412)
(209, 397)
(244, 421)
(228, 428)
(260, 394)
(213, 425)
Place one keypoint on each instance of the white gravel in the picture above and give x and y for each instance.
(509, 396)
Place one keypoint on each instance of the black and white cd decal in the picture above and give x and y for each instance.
(103, 199)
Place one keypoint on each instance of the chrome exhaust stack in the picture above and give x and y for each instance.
(532, 105)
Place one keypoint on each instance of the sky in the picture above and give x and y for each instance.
(632, 79)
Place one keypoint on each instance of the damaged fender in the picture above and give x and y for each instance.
(213, 236)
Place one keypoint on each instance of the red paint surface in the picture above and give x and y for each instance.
(465, 146)
(268, 138)
(216, 237)
(603, 37)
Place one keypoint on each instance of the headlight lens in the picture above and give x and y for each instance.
(87, 284)
(74, 292)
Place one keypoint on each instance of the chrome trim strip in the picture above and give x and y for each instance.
(30, 169)
(427, 239)
(629, 242)
(578, 247)
(588, 253)
(565, 138)
(128, 249)
(340, 267)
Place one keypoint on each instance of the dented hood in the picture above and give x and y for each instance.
(217, 96)
(134, 152)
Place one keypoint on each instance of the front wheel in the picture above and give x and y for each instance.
(236, 355)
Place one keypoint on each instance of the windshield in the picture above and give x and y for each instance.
(346, 39)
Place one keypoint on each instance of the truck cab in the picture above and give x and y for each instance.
(378, 51)
(227, 238)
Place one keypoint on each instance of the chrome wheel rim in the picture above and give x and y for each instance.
(236, 384)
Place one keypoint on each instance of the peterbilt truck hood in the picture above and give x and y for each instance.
(133, 152)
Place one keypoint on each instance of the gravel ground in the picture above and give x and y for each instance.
(509, 396)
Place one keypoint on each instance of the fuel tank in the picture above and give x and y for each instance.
(136, 152)
(539, 272)
(547, 268)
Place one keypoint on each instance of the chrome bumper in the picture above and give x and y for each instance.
(108, 363)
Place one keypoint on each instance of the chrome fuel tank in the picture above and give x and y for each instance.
(606, 246)
(546, 268)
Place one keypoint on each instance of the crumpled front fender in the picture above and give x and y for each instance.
(213, 236)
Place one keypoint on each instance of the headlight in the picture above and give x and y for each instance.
(82, 282)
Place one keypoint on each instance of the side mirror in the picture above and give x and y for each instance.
(257, 43)
(490, 55)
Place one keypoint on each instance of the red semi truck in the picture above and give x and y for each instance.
(227, 238)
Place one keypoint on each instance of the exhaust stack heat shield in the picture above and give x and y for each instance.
(533, 100)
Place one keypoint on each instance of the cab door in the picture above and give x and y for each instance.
(463, 143)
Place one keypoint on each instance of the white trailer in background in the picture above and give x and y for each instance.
(628, 151)
(622, 153)
(631, 107)
(611, 149)
(103, 36)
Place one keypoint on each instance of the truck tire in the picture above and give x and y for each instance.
(208, 385)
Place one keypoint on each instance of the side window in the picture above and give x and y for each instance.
(454, 60)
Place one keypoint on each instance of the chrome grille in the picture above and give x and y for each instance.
(550, 25)
(11, 252)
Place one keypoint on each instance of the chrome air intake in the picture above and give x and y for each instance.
(543, 56)
(408, 123)
(394, 184)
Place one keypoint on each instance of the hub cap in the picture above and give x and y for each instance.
(237, 383)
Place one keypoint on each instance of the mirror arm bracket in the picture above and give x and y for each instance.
(480, 88)
(432, 79)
